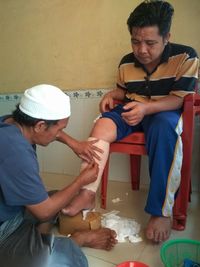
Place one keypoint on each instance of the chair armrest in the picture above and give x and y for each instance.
(191, 106)
(191, 103)
(197, 104)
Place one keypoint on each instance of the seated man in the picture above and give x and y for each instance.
(40, 117)
(152, 82)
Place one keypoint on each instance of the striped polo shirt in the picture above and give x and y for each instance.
(176, 74)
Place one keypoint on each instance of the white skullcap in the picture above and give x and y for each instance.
(45, 102)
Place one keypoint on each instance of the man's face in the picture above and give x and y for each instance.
(148, 45)
(44, 135)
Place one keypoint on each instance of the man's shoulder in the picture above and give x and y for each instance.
(177, 49)
(128, 58)
(2, 118)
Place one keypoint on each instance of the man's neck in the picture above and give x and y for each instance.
(25, 131)
(152, 66)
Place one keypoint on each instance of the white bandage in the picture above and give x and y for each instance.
(102, 162)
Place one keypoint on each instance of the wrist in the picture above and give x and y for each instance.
(78, 181)
(148, 109)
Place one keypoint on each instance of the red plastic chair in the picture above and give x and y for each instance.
(134, 145)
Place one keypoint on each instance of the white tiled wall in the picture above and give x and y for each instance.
(58, 158)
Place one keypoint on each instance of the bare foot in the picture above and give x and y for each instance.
(84, 200)
(158, 228)
(103, 238)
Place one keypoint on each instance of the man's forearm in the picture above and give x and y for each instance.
(66, 139)
(63, 197)
(117, 94)
(170, 102)
(52, 205)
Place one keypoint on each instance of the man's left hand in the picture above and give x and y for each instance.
(86, 150)
(134, 113)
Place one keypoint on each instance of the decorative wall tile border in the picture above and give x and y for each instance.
(10, 97)
(91, 93)
(74, 94)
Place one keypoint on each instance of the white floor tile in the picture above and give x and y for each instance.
(131, 205)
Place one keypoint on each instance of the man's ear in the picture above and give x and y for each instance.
(167, 37)
(40, 126)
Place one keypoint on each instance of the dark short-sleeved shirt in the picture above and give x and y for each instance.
(20, 182)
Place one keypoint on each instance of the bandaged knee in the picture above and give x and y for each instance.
(103, 145)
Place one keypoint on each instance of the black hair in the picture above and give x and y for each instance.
(152, 13)
(24, 119)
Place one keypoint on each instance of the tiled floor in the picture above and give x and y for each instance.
(131, 205)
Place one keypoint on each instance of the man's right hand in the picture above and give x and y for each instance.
(107, 103)
(89, 174)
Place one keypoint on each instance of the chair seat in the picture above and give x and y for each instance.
(133, 144)
(137, 138)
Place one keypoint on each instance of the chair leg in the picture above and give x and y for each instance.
(104, 184)
(181, 204)
(179, 223)
(135, 161)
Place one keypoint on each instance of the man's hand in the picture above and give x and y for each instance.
(107, 103)
(86, 150)
(135, 113)
(89, 174)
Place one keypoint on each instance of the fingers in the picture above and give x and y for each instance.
(111, 104)
(95, 147)
(95, 167)
(94, 154)
(89, 156)
(91, 166)
(102, 106)
(131, 121)
(106, 104)
(131, 117)
(85, 158)
(90, 151)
